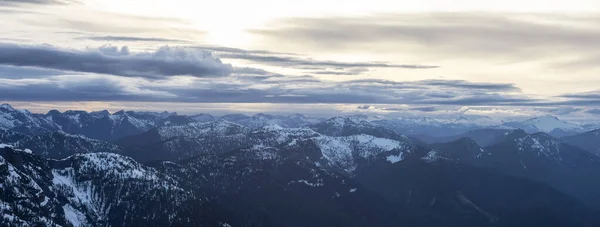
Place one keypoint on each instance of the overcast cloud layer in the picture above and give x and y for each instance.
(504, 63)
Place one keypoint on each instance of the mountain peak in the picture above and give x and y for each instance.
(120, 112)
(341, 121)
(6, 106)
(75, 112)
(516, 133)
(53, 112)
(300, 116)
(262, 115)
(467, 141)
(100, 113)
(546, 124)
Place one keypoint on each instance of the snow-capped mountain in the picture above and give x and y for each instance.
(547, 124)
(57, 144)
(99, 189)
(98, 125)
(106, 126)
(185, 141)
(346, 154)
(24, 121)
(191, 130)
(328, 139)
(475, 120)
(428, 126)
(345, 126)
(203, 117)
(276, 186)
(262, 184)
(261, 120)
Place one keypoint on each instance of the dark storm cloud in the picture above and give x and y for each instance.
(164, 62)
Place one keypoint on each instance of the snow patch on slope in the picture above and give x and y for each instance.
(395, 158)
(76, 218)
(344, 151)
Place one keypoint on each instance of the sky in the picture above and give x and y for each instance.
(505, 59)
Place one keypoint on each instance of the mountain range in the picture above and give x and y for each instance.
(269, 170)
(106, 126)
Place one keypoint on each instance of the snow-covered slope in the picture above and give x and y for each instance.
(311, 179)
(98, 125)
(106, 126)
(545, 124)
(345, 126)
(213, 128)
(87, 190)
(57, 144)
(24, 121)
(475, 120)
(429, 126)
(347, 152)
(261, 120)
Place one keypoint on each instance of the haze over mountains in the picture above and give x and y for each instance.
(79, 168)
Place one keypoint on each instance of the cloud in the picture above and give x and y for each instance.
(471, 85)
(506, 36)
(26, 72)
(235, 51)
(342, 72)
(561, 110)
(251, 88)
(76, 88)
(164, 62)
(425, 109)
(252, 85)
(452, 84)
(306, 89)
(299, 62)
(132, 39)
(593, 111)
(583, 95)
(37, 2)
(483, 100)
(50, 22)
